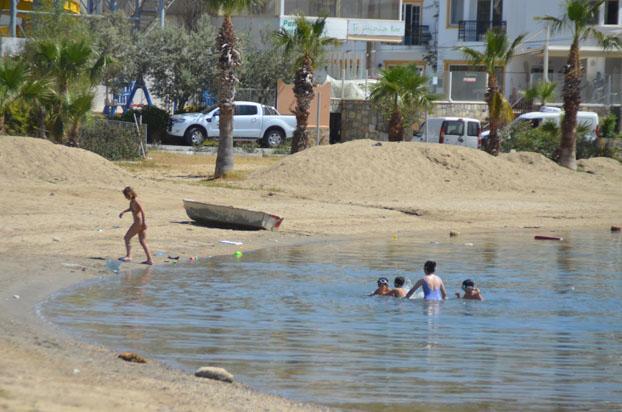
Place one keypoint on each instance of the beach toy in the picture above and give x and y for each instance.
(538, 237)
(237, 254)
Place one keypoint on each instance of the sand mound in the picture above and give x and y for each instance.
(534, 161)
(364, 168)
(39, 159)
(603, 166)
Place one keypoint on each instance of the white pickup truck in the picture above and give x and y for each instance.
(251, 122)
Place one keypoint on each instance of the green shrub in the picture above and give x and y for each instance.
(113, 140)
(156, 120)
(608, 126)
(544, 140)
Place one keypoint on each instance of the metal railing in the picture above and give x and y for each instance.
(475, 30)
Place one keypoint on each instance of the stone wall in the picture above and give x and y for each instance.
(360, 121)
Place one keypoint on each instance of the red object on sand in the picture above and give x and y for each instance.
(616, 228)
(548, 238)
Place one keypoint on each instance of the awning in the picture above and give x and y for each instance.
(585, 51)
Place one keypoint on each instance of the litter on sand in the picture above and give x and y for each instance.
(231, 242)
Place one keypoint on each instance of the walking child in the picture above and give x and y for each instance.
(139, 227)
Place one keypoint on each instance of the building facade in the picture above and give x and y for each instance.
(434, 29)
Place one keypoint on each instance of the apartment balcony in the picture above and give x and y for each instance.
(417, 36)
(475, 30)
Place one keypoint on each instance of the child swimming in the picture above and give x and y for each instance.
(139, 227)
(383, 288)
(470, 291)
(399, 291)
(433, 287)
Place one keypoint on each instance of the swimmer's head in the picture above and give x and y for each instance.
(429, 267)
(468, 284)
(399, 281)
(129, 193)
(383, 282)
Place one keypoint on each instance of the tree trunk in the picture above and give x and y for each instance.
(41, 123)
(303, 90)
(72, 136)
(493, 145)
(2, 124)
(396, 126)
(228, 62)
(572, 100)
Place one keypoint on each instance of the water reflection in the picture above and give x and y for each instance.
(297, 321)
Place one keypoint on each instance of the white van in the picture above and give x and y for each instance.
(461, 131)
(588, 120)
(554, 114)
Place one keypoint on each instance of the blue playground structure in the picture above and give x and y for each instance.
(125, 98)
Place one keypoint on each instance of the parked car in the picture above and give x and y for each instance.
(461, 131)
(589, 120)
(251, 122)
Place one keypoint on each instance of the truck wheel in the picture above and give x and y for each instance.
(274, 138)
(194, 136)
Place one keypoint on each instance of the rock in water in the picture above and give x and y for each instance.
(218, 374)
(132, 357)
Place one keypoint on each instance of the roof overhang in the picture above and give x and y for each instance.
(585, 51)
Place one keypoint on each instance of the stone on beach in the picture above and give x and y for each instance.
(132, 357)
(616, 228)
(453, 233)
(210, 372)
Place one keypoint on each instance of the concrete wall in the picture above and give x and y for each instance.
(11, 46)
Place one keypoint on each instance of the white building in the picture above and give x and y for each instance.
(434, 29)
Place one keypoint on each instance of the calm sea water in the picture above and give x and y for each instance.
(297, 321)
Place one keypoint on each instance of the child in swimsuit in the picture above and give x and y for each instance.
(383, 288)
(399, 291)
(433, 287)
(470, 291)
(139, 227)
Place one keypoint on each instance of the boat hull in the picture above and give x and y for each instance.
(227, 217)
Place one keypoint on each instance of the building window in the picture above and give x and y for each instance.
(456, 11)
(612, 8)
(412, 21)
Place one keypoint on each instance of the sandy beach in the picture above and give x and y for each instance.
(59, 218)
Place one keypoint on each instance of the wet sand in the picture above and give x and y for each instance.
(59, 207)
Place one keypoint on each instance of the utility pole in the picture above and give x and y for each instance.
(545, 66)
(13, 19)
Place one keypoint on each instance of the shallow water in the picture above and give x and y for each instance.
(297, 322)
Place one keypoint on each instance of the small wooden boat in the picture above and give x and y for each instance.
(227, 217)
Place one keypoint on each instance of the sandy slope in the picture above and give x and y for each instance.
(59, 205)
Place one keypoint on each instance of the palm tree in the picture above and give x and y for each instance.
(307, 46)
(38, 94)
(13, 79)
(66, 62)
(541, 91)
(497, 55)
(401, 88)
(228, 63)
(578, 18)
(76, 105)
